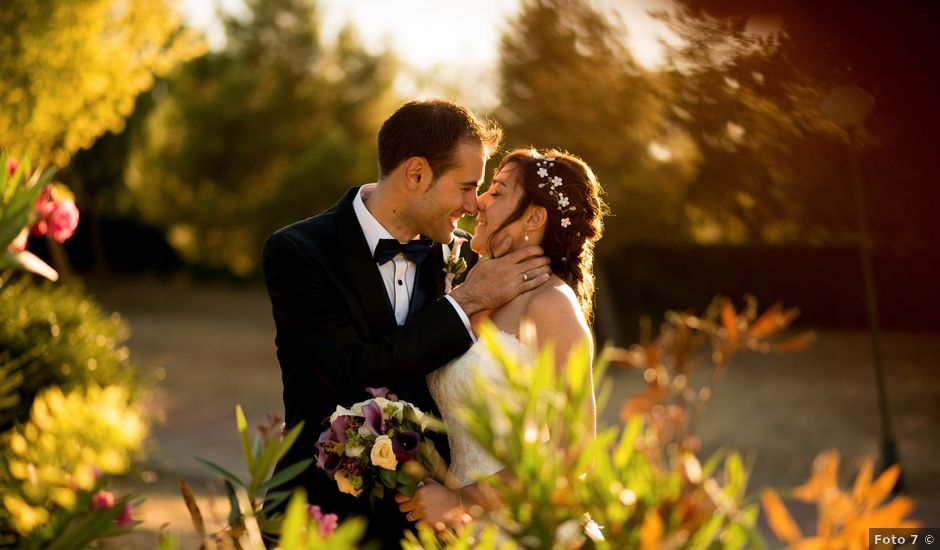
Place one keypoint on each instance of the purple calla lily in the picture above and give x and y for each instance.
(339, 427)
(405, 446)
(326, 459)
(374, 420)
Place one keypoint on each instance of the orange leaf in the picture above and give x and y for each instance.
(780, 520)
(729, 320)
(812, 543)
(651, 532)
(643, 402)
(824, 478)
(863, 481)
(881, 488)
(767, 323)
(796, 344)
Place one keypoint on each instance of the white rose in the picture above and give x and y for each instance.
(382, 454)
(354, 450)
(346, 485)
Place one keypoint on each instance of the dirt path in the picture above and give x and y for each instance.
(214, 348)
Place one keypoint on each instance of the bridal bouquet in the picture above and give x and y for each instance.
(377, 444)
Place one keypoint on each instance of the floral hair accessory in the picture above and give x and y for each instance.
(545, 164)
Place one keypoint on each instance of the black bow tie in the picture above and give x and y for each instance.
(416, 250)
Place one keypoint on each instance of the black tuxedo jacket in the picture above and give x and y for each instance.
(337, 334)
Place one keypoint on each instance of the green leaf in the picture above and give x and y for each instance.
(274, 498)
(389, 477)
(235, 514)
(274, 451)
(222, 472)
(293, 530)
(242, 424)
(79, 534)
(286, 474)
(706, 534)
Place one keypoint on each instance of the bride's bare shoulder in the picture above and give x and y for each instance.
(552, 300)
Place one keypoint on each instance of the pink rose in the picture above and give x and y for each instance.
(102, 500)
(63, 220)
(12, 165)
(125, 518)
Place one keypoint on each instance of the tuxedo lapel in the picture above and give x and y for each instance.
(429, 282)
(353, 252)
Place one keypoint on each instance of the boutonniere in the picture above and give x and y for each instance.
(453, 264)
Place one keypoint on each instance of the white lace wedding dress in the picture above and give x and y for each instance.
(452, 385)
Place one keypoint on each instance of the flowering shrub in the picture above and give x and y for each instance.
(55, 335)
(56, 466)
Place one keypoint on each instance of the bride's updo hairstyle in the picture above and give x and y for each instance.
(569, 191)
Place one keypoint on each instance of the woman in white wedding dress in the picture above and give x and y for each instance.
(551, 199)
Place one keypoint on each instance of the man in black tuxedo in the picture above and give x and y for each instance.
(358, 298)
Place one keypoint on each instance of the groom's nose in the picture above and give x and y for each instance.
(471, 207)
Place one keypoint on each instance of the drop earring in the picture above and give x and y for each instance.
(525, 236)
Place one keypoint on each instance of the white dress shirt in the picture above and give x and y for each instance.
(398, 274)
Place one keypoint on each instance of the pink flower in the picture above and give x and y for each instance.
(327, 522)
(102, 500)
(12, 165)
(45, 203)
(40, 228)
(63, 220)
(125, 518)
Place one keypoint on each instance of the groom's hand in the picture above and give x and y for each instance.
(494, 281)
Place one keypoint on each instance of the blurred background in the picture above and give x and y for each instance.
(779, 149)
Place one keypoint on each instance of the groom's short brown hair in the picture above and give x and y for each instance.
(432, 129)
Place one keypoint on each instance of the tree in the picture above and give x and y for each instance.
(70, 71)
(765, 77)
(569, 82)
(260, 134)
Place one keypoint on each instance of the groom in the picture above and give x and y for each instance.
(358, 291)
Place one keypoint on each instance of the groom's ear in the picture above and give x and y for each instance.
(417, 172)
(535, 217)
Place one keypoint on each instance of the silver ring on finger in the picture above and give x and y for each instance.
(525, 276)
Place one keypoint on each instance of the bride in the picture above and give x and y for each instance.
(547, 198)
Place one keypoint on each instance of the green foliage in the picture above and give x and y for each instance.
(70, 71)
(55, 336)
(620, 489)
(300, 532)
(247, 520)
(269, 130)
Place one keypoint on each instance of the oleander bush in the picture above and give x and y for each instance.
(55, 335)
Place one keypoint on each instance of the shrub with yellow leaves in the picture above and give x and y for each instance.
(56, 466)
